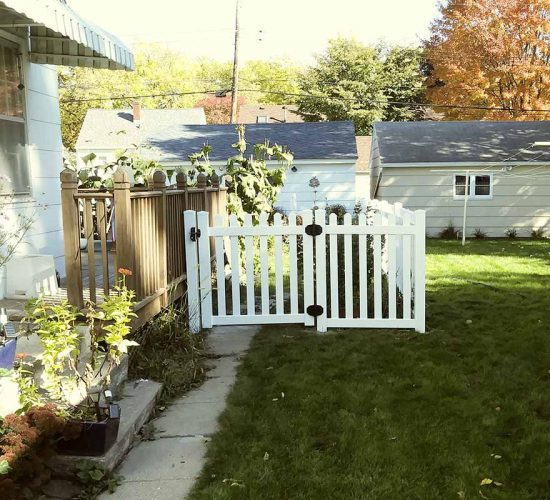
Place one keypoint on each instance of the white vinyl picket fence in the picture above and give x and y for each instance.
(362, 273)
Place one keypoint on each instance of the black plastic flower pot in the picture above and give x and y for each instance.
(89, 438)
(7, 353)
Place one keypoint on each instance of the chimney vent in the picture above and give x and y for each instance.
(136, 112)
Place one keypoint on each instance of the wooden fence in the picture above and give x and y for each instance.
(139, 229)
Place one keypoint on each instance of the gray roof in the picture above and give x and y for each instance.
(316, 140)
(115, 129)
(460, 142)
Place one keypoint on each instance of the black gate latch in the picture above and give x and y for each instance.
(314, 310)
(195, 233)
(314, 229)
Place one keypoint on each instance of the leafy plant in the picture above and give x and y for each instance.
(252, 187)
(109, 326)
(449, 232)
(29, 395)
(511, 233)
(538, 233)
(94, 479)
(479, 234)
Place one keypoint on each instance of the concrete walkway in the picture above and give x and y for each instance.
(166, 468)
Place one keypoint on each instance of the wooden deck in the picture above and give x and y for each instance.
(16, 307)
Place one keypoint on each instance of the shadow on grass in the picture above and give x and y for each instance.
(396, 415)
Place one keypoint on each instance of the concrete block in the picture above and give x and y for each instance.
(165, 459)
(136, 406)
(170, 489)
(222, 367)
(189, 419)
(213, 390)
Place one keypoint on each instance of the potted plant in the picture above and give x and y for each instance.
(77, 365)
(7, 345)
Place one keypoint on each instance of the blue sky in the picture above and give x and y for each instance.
(293, 29)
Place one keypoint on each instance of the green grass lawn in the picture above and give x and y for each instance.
(397, 415)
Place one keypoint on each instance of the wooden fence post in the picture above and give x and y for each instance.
(71, 237)
(203, 184)
(181, 182)
(123, 225)
(214, 197)
(159, 183)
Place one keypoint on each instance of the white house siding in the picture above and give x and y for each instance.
(337, 185)
(362, 186)
(46, 163)
(518, 201)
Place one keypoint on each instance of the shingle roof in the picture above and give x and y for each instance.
(364, 146)
(456, 142)
(114, 128)
(248, 113)
(317, 140)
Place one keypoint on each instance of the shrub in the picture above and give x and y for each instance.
(538, 233)
(479, 234)
(339, 210)
(449, 232)
(511, 233)
(25, 445)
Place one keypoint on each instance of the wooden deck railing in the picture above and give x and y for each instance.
(140, 229)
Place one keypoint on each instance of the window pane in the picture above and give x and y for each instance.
(11, 98)
(460, 185)
(483, 185)
(13, 157)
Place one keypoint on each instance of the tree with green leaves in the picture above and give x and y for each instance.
(352, 81)
(172, 80)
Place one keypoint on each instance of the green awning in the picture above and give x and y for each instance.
(58, 35)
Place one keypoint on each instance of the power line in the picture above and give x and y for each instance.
(313, 96)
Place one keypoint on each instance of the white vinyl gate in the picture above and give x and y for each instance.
(362, 273)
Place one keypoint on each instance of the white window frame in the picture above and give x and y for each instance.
(9, 38)
(472, 186)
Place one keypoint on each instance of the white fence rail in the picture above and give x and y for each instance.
(366, 272)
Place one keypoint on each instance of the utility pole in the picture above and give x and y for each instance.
(235, 84)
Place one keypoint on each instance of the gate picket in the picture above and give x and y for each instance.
(333, 238)
(220, 267)
(278, 256)
(363, 259)
(264, 263)
(293, 256)
(235, 269)
(249, 252)
(377, 250)
(348, 269)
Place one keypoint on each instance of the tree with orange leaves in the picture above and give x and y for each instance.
(491, 53)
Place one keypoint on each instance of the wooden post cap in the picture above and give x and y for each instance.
(201, 181)
(215, 180)
(181, 180)
(121, 179)
(68, 176)
(159, 180)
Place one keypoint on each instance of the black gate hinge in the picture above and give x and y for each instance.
(195, 233)
(314, 229)
(315, 310)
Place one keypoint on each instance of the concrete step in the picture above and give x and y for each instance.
(137, 404)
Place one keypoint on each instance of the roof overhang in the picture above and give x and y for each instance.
(58, 35)
(463, 165)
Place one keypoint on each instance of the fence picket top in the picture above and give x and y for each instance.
(388, 232)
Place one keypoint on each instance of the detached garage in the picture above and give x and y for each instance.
(326, 150)
(502, 167)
